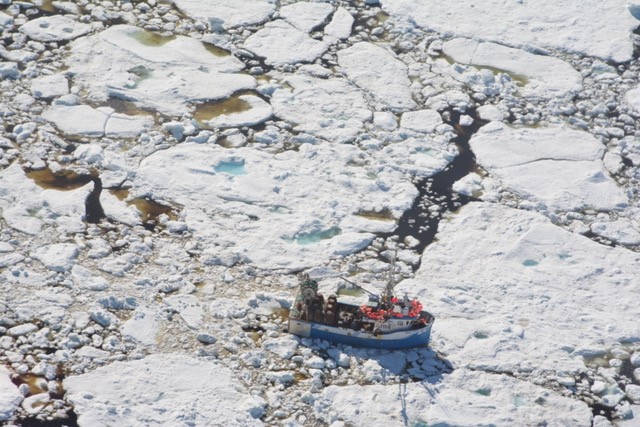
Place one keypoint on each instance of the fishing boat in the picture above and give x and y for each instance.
(384, 321)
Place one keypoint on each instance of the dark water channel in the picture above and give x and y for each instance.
(419, 221)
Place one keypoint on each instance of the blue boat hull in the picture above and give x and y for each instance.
(392, 341)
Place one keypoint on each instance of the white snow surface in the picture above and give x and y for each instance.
(555, 165)
(546, 76)
(463, 398)
(632, 99)
(28, 208)
(340, 25)
(161, 73)
(227, 13)
(10, 396)
(332, 109)
(280, 43)
(527, 295)
(587, 27)
(102, 121)
(50, 86)
(232, 197)
(164, 390)
(377, 71)
(54, 28)
(306, 16)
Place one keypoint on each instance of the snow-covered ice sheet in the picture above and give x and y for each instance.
(587, 27)
(154, 71)
(377, 71)
(54, 28)
(164, 390)
(555, 165)
(10, 396)
(331, 109)
(28, 208)
(546, 77)
(463, 398)
(232, 197)
(512, 292)
(280, 43)
(227, 13)
(103, 121)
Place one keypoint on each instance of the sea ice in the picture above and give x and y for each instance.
(306, 16)
(143, 326)
(54, 28)
(632, 99)
(586, 27)
(340, 25)
(555, 165)
(331, 109)
(462, 398)
(377, 71)
(58, 256)
(27, 207)
(49, 86)
(162, 389)
(232, 198)
(102, 121)
(528, 295)
(280, 43)
(225, 14)
(546, 76)
(188, 307)
(165, 73)
(256, 111)
(421, 120)
(620, 231)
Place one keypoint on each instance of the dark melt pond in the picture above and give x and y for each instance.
(64, 180)
(208, 110)
(149, 209)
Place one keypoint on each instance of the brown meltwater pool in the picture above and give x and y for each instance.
(150, 38)
(150, 209)
(208, 110)
(124, 106)
(63, 180)
(383, 215)
(215, 50)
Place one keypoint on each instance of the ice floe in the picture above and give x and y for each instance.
(280, 44)
(102, 121)
(591, 27)
(421, 120)
(28, 208)
(546, 76)
(162, 389)
(251, 110)
(331, 109)
(528, 296)
(10, 396)
(164, 73)
(462, 398)
(50, 86)
(621, 231)
(555, 165)
(54, 28)
(377, 71)
(234, 196)
(340, 25)
(306, 16)
(224, 14)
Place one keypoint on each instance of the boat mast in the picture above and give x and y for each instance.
(388, 292)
